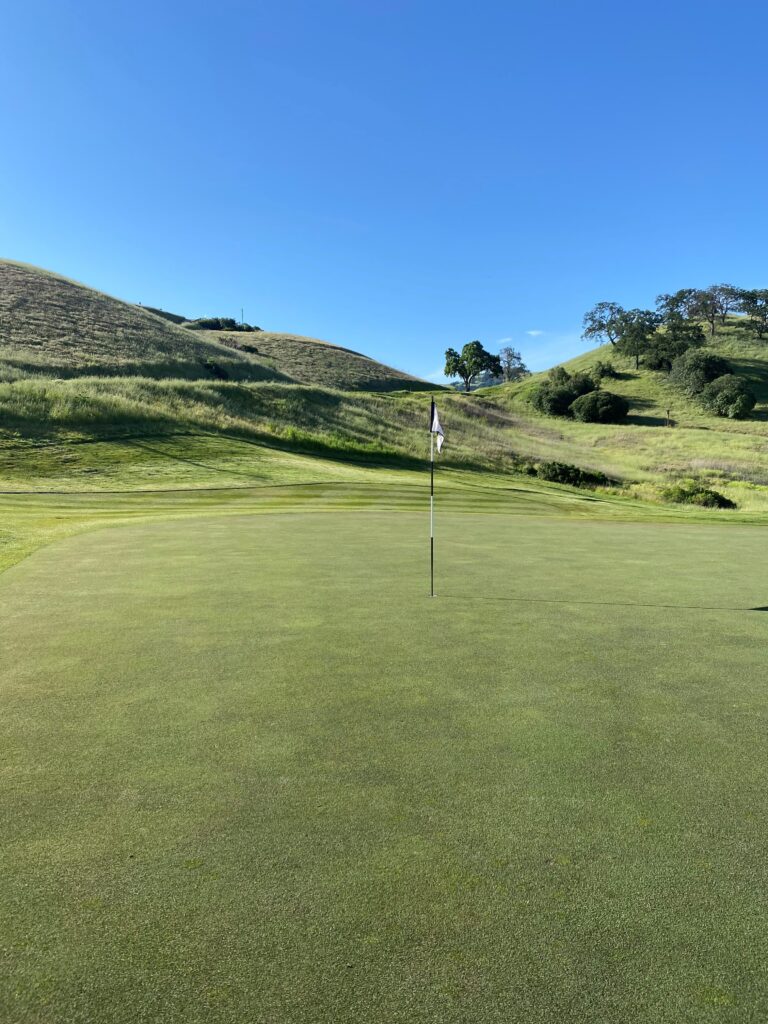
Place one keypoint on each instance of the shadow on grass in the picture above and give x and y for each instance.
(602, 604)
(642, 420)
(174, 457)
(356, 456)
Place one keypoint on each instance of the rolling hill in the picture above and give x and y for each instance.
(53, 327)
(644, 453)
(98, 393)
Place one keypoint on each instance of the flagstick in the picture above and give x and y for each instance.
(431, 515)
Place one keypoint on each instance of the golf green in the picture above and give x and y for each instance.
(252, 773)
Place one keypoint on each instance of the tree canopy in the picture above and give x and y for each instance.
(512, 365)
(635, 328)
(755, 304)
(601, 322)
(472, 360)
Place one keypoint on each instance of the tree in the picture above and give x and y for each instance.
(635, 328)
(600, 323)
(512, 365)
(708, 304)
(683, 332)
(600, 407)
(727, 298)
(677, 337)
(729, 396)
(473, 360)
(680, 303)
(755, 304)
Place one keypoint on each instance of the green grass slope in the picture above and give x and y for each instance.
(730, 454)
(80, 369)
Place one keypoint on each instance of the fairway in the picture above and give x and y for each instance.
(251, 773)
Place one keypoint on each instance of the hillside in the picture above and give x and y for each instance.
(96, 393)
(730, 454)
(53, 327)
(59, 328)
(310, 361)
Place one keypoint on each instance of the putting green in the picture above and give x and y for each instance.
(253, 774)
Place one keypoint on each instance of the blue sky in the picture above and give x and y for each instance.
(395, 176)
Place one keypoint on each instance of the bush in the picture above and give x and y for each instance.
(693, 370)
(556, 395)
(218, 323)
(603, 370)
(697, 494)
(729, 396)
(600, 407)
(554, 400)
(662, 351)
(563, 473)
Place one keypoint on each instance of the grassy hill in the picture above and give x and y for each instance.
(53, 327)
(97, 393)
(311, 361)
(731, 455)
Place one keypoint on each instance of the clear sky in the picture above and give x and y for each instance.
(398, 176)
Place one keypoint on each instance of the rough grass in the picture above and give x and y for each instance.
(53, 327)
(309, 361)
(723, 453)
(231, 795)
(126, 369)
(307, 419)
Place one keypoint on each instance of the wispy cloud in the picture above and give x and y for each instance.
(553, 349)
(535, 334)
(503, 341)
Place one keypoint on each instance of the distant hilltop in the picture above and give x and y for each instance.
(52, 326)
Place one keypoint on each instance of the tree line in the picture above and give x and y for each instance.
(662, 334)
(668, 338)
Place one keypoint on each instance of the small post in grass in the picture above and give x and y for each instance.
(434, 430)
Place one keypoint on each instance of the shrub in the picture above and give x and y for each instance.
(554, 400)
(662, 351)
(556, 395)
(693, 370)
(697, 494)
(603, 370)
(563, 473)
(729, 396)
(558, 375)
(218, 323)
(600, 407)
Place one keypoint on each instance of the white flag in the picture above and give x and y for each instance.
(435, 428)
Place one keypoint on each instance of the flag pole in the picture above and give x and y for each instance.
(431, 515)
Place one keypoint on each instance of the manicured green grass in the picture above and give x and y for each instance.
(252, 773)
